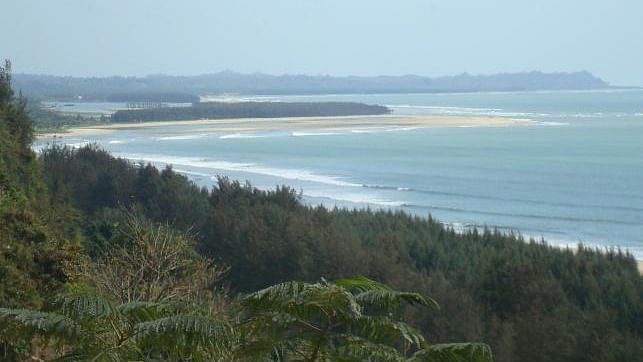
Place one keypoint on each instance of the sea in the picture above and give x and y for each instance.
(574, 176)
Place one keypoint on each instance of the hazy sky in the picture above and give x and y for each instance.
(337, 37)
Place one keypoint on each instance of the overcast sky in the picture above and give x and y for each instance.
(336, 37)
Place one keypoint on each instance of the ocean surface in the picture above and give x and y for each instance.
(575, 176)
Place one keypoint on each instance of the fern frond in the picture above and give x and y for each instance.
(360, 284)
(356, 349)
(272, 349)
(277, 294)
(40, 323)
(390, 300)
(138, 312)
(103, 355)
(187, 334)
(385, 330)
(454, 352)
(303, 300)
(79, 306)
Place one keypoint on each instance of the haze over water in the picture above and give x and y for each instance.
(575, 176)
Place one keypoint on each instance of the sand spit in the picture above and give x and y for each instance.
(298, 123)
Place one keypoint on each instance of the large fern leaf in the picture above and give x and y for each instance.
(360, 284)
(356, 349)
(138, 312)
(40, 323)
(187, 335)
(390, 300)
(79, 306)
(304, 300)
(454, 352)
(387, 331)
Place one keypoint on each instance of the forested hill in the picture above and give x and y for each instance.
(56, 87)
(213, 110)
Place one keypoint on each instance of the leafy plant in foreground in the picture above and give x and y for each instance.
(85, 326)
(349, 320)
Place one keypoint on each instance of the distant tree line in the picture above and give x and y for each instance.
(95, 88)
(248, 110)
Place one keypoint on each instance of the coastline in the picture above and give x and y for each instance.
(299, 123)
(337, 123)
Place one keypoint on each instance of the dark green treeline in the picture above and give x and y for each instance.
(248, 110)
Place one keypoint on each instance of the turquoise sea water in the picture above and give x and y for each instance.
(575, 176)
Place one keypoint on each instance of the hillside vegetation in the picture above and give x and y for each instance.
(530, 301)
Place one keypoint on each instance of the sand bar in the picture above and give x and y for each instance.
(299, 123)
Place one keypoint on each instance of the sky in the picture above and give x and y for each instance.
(334, 37)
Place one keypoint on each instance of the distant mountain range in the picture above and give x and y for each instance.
(57, 87)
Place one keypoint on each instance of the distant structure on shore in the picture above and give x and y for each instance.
(145, 105)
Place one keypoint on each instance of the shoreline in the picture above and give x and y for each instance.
(326, 123)
(298, 123)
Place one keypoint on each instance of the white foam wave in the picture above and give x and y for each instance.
(286, 173)
(554, 123)
(306, 134)
(399, 129)
(585, 115)
(190, 172)
(116, 142)
(77, 144)
(600, 115)
(235, 99)
(443, 107)
(403, 189)
(241, 135)
(467, 111)
(182, 137)
(356, 198)
(387, 129)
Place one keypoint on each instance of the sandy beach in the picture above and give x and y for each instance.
(299, 123)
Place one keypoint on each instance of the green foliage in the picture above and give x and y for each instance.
(530, 301)
(157, 264)
(247, 110)
(34, 259)
(291, 321)
(454, 352)
(46, 120)
(87, 326)
(324, 321)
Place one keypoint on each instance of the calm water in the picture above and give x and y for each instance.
(576, 176)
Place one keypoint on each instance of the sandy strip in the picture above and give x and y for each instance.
(78, 131)
(298, 123)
